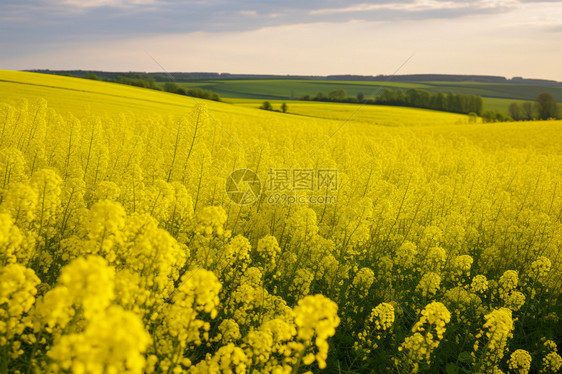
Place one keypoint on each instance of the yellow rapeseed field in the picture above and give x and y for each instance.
(145, 232)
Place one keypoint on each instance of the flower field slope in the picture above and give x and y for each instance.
(144, 232)
(379, 115)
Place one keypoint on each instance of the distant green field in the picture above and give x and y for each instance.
(281, 89)
(293, 88)
(497, 97)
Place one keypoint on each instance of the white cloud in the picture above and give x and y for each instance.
(251, 13)
(422, 6)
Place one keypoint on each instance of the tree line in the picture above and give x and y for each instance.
(447, 102)
(139, 80)
(544, 107)
(193, 92)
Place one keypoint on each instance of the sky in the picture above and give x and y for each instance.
(305, 37)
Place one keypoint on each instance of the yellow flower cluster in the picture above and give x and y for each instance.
(434, 260)
(268, 251)
(427, 333)
(181, 321)
(10, 240)
(551, 362)
(479, 284)
(463, 304)
(380, 321)
(520, 361)
(316, 319)
(228, 359)
(463, 264)
(512, 298)
(363, 281)
(429, 284)
(492, 343)
(114, 341)
(405, 254)
(18, 287)
(540, 267)
(229, 332)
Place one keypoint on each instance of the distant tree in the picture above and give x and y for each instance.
(514, 111)
(424, 99)
(266, 106)
(491, 116)
(138, 81)
(413, 97)
(92, 76)
(360, 96)
(337, 95)
(500, 117)
(203, 94)
(476, 104)
(320, 97)
(306, 97)
(386, 97)
(527, 111)
(439, 101)
(171, 87)
(284, 107)
(546, 106)
(472, 117)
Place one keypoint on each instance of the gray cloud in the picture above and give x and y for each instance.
(73, 19)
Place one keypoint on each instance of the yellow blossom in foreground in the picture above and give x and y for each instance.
(520, 361)
(229, 331)
(228, 359)
(316, 318)
(429, 284)
(405, 254)
(479, 284)
(508, 282)
(113, 341)
(551, 363)
(426, 336)
(17, 295)
(10, 240)
(380, 320)
(494, 335)
(90, 283)
(463, 264)
(268, 251)
(540, 267)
